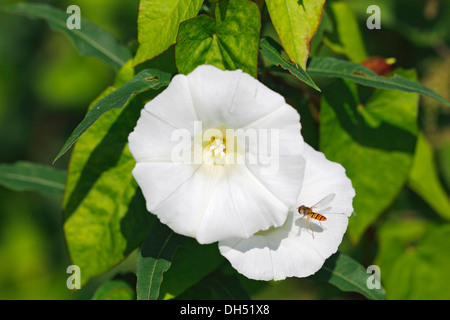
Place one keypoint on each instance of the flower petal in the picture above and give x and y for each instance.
(150, 175)
(240, 206)
(212, 201)
(279, 164)
(292, 250)
(242, 102)
(331, 177)
(274, 254)
(175, 104)
(238, 101)
(165, 120)
(151, 139)
(209, 203)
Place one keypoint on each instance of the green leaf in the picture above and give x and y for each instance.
(224, 287)
(105, 216)
(219, 285)
(332, 67)
(90, 40)
(155, 258)
(158, 23)
(272, 50)
(190, 265)
(424, 179)
(121, 287)
(34, 177)
(230, 42)
(348, 275)
(374, 141)
(345, 37)
(143, 81)
(413, 260)
(296, 23)
(443, 157)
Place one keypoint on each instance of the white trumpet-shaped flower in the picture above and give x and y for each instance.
(302, 244)
(218, 155)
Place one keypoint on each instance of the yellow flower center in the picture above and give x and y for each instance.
(218, 146)
(215, 151)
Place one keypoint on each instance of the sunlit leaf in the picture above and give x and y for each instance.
(158, 23)
(105, 217)
(413, 260)
(229, 42)
(296, 23)
(345, 37)
(424, 179)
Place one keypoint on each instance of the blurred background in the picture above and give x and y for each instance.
(46, 86)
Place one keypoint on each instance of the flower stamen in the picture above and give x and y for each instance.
(217, 151)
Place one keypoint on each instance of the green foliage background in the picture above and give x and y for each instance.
(46, 87)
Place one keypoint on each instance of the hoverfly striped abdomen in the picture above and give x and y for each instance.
(318, 216)
(309, 213)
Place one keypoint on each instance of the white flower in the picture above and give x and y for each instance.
(237, 169)
(296, 249)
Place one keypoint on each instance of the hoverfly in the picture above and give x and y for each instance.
(310, 212)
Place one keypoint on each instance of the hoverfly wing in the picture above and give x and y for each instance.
(324, 202)
(325, 210)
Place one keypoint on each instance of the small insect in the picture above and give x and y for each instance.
(310, 212)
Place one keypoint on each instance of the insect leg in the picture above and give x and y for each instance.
(308, 220)
(302, 217)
